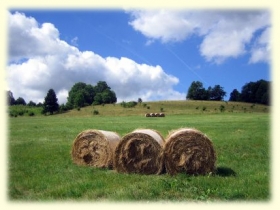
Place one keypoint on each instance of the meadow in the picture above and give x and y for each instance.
(40, 166)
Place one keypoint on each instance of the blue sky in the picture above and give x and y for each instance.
(148, 54)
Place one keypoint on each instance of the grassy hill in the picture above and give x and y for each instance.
(167, 107)
(170, 108)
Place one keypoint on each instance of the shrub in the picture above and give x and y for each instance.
(129, 104)
(21, 113)
(31, 114)
(95, 112)
(222, 108)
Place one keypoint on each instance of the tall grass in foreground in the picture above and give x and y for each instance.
(40, 166)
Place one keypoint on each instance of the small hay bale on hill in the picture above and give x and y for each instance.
(161, 114)
(140, 151)
(152, 114)
(157, 114)
(147, 115)
(95, 148)
(190, 151)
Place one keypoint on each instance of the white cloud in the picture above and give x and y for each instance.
(40, 60)
(28, 39)
(161, 24)
(261, 48)
(224, 34)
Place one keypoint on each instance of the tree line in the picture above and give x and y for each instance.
(80, 95)
(196, 91)
(252, 92)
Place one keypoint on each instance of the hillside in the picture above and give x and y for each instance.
(167, 107)
(170, 108)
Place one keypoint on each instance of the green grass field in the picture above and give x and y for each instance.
(40, 166)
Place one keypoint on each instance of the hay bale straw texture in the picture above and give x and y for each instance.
(140, 151)
(189, 151)
(95, 148)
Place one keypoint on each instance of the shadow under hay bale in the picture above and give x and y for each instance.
(95, 148)
(225, 171)
(189, 151)
(140, 151)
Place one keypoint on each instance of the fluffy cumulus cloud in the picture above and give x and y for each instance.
(40, 60)
(224, 34)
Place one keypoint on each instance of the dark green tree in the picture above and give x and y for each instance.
(79, 99)
(196, 91)
(256, 92)
(31, 103)
(80, 95)
(20, 101)
(50, 104)
(101, 87)
(108, 97)
(11, 100)
(216, 93)
(73, 99)
(98, 99)
(263, 92)
(234, 95)
(89, 94)
(104, 94)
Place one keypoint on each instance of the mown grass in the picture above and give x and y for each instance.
(41, 169)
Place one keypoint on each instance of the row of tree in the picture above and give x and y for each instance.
(80, 95)
(252, 92)
(18, 101)
(197, 92)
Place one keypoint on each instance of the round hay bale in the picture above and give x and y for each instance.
(157, 115)
(140, 151)
(190, 151)
(95, 148)
(147, 115)
(161, 114)
(152, 114)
